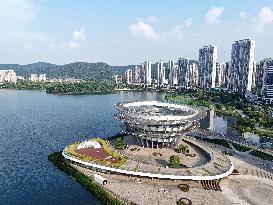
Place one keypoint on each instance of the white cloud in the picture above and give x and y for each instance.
(151, 19)
(73, 44)
(213, 15)
(143, 30)
(242, 14)
(79, 35)
(146, 31)
(264, 19)
(78, 38)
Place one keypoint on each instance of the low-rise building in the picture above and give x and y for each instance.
(8, 76)
(42, 77)
(118, 79)
(34, 77)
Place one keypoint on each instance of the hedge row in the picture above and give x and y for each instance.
(95, 189)
(240, 148)
(262, 155)
(222, 142)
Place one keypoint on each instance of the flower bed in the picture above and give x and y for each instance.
(106, 148)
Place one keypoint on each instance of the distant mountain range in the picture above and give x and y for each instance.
(82, 70)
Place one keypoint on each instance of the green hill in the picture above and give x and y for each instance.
(83, 70)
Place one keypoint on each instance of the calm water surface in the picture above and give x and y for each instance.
(225, 125)
(34, 124)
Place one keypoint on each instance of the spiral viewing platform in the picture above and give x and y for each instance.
(158, 124)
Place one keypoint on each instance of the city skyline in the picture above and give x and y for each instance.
(122, 33)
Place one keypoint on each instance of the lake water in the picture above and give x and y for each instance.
(225, 125)
(34, 124)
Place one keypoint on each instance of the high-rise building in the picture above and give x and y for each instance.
(221, 74)
(161, 79)
(8, 76)
(259, 74)
(193, 75)
(146, 73)
(218, 75)
(136, 75)
(129, 76)
(242, 63)
(264, 80)
(183, 72)
(173, 73)
(207, 66)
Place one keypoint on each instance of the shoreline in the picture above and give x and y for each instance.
(86, 182)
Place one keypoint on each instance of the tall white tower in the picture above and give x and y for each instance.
(160, 73)
(146, 73)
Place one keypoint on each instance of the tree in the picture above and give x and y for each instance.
(183, 148)
(174, 161)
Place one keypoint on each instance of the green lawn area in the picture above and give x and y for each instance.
(121, 159)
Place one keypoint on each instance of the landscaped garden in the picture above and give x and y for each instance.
(117, 159)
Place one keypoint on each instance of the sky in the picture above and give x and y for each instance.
(122, 32)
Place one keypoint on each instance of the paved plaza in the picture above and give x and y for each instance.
(253, 185)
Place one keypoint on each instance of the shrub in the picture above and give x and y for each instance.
(157, 154)
(120, 143)
(184, 187)
(183, 148)
(174, 161)
(184, 201)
